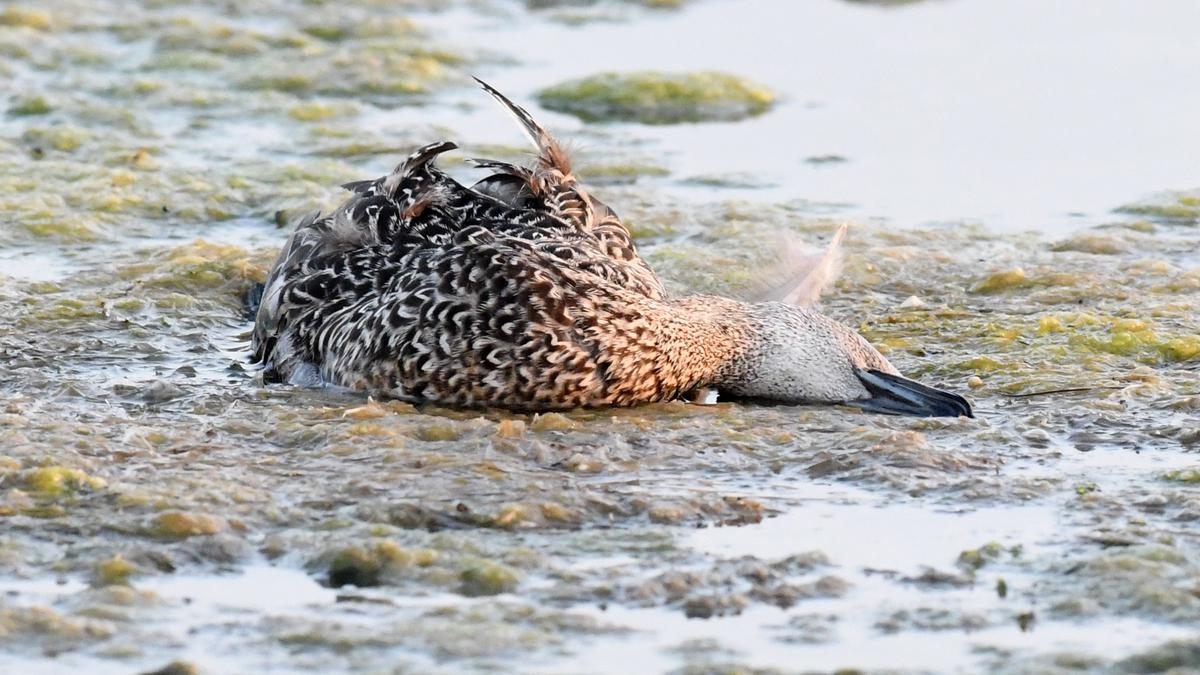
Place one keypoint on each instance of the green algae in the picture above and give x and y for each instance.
(357, 566)
(341, 29)
(176, 668)
(397, 71)
(57, 481)
(182, 524)
(44, 624)
(439, 431)
(621, 173)
(69, 309)
(33, 105)
(1003, 281)
(659, 98)
(1176, 656)
(313, 111)
(729, 181)
(552, 422)
(1050, 324)
(1091, 242)
(1136, 340)
(1178, 349)
(655, 4)
(1183, 476)
(283, 82)
(1120, 343)
(625, 487)
(64, 138)
(984, 364)
(975, 558)
(484, 578)
(582, 12)
(113, 571)
(23, 17)
(373, 564)
(1171, 207)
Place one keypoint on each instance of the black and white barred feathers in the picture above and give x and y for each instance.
(432, 291)
(525, 292)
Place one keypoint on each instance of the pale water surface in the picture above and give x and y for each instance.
(1017, 114)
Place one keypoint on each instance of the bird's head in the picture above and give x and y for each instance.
(799, 355)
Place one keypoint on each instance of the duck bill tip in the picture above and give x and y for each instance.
(895, 395)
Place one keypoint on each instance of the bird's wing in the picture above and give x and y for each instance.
(315, 239)
(551, 187)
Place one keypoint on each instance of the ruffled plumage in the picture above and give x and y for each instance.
(526, 292)
(416, 275)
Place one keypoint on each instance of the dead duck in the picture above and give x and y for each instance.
(526, 292)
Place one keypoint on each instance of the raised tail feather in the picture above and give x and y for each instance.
(550, 153)
(511, 184)
(361, 186)
(418, 159)
(499, 167)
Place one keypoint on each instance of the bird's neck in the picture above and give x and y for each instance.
(658, 350)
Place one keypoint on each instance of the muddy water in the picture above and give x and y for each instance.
(158, 505)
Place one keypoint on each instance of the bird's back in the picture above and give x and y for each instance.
(438, 292)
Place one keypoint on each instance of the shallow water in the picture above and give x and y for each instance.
(1012, 114)
(151, 159)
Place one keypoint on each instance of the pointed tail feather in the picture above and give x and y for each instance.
(550, 154)
(416, 160)
(500, 167)
(511, 184)
(360, 186)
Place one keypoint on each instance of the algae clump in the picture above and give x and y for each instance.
(365, 566)
(983, 364)
(623, 173)
(1050, 324)
(356, 566)
(551, 422)
(27, 18)
(35, 105)
(1169, 207)
(59, 480)
(1003, 281)
(114, 571)
(487, 578)
(659, 98)
(1181, 348)
(1099, 244)
(180, 525)
(1183, 476)
(318, 111)
(975, 558)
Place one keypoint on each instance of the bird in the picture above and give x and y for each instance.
(526, 292)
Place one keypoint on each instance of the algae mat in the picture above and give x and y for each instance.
(159, 506)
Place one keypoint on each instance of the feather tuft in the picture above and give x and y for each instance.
(800, 275)
(551, 154)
